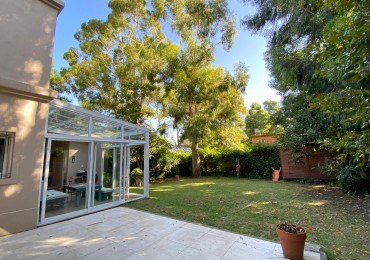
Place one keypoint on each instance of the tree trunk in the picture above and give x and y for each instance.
(195, 158)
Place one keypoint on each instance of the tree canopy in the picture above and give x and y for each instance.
(117, 67)
(202, 99)
(264, 120)
(319, 58)
(126, 67)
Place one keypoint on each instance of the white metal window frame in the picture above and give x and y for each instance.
(90, 183)
(125, 145)
(127, 129)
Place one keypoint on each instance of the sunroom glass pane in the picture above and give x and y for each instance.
(67, 122)
(106, 129)
(134, 134)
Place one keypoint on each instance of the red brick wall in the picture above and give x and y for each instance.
(308, 169)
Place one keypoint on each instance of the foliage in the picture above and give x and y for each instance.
(107, 180)
(163, 160)
(349, 129)
(184, 166)
(118, 63)
(255, 163)
(202, 99)
(56, 83)
(349, 177)
(258, 162)
(343, 50)
(261, 121)
(352, 181)
(136, 177)
(127, 68)
(319, 58)
(257, 120)
(243, 206)
(219, 162)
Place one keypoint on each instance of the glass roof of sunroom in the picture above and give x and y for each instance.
(69, 120)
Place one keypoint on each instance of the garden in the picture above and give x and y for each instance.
(338, 221)
(128, 67)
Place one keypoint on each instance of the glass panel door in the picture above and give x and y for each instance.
(108, 169)
(67, 178)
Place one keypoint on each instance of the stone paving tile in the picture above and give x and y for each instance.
(185, 236)
(195, 254)
(123, 233)
(89, 245)
(139, 241)
(112, 251)
(213, 245)
(163, 249)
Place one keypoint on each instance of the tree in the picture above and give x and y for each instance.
(57, 84)
(116, 69)
(123, 64)
(257, 120)
(265, 120)
(271, 106)
(319, 58)
(206, 101)
(202, 97)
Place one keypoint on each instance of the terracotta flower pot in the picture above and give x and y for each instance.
(292, 244)
(276, 175)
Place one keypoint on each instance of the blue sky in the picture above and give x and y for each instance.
(247, 48)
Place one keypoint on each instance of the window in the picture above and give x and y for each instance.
(6, 154)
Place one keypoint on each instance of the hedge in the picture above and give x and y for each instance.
(255, 163)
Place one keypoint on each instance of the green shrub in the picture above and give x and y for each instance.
(162, 159)
(183, 167)
(260, 160)
(254, 163)
(219, 162)
(107, 179)
(352, 181)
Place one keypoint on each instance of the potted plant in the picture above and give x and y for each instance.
(292, 239)
(275, 174)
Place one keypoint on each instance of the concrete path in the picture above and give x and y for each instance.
(123, 233)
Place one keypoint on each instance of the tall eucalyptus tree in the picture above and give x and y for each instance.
(117, 67)
(199, 92)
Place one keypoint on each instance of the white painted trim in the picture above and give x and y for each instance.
(146, 166)
(96, 139)
(121, 159)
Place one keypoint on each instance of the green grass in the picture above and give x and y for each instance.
(253, 207)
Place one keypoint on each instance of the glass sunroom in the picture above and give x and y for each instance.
(88, 163)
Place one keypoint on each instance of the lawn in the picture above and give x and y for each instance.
(253, 207)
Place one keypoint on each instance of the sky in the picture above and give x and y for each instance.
(247, 48)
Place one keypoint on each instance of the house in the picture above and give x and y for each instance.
(269, 139)
(57, 160)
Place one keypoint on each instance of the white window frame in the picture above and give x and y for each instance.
(9, 139)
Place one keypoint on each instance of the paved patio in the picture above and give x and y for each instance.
(123, 233)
